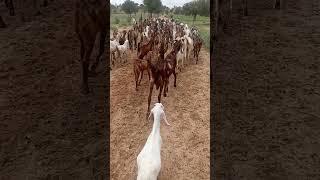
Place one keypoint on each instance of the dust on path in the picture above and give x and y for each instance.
(185, 151)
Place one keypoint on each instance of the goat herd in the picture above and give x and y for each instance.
(162, 46)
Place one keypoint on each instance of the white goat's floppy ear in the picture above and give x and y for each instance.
(164, 118)
(151, 112)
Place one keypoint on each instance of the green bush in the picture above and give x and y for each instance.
(128, 20)
(116, 20)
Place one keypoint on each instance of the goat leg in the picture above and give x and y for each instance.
(159, 96)
(85, 66)
(141, 76)
(175, 78)
(2, 24)
(101, 50)
(165, 91)
(136, 77)
(150, 94)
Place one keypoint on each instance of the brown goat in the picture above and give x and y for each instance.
(123, 37)
(158, 76)
(139, 66)
(135, 38)
(90, 19)
(130, 38)
(145, 48)
(197, 48)
(171, 63)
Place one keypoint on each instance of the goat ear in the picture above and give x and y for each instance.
(162, 106)
(165, 118)
(151, 113)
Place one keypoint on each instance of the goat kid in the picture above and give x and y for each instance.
(122, 49)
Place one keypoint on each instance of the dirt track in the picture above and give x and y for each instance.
(185, 149)
(47, 128)
(267, 94)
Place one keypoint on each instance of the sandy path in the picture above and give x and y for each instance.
(185, 150)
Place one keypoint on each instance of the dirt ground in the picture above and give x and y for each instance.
(185, 152)
(48, 130)
(267, 93)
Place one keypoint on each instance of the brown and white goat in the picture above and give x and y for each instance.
(171, 63)
(158, 76)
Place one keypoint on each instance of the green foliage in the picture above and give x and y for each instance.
(129, 7)
(203, 7)
(177, 10)
(116, 20)
(153, 6)
(197, 7)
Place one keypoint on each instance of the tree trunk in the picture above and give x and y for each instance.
(2, 24)
(194, 18)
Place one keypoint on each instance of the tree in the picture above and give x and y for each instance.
(165, 9)
(153, 6)
(142, 8)
(203, 7)
(112, 6)
(129, 7)
(135, 8)
(191, 8)
(178, 10)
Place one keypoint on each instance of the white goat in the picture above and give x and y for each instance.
(149, 159)
(189, 48)
(146, 32)
(180, 59)
(134, 21)
(186, 30)
(123, 50)
(113, 49)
